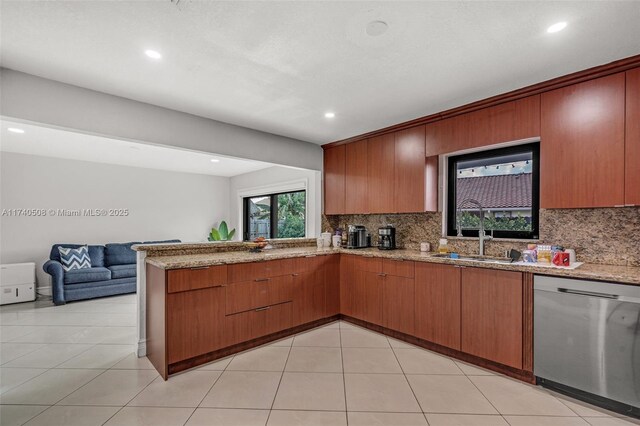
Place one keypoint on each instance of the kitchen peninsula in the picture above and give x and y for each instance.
(205, 301)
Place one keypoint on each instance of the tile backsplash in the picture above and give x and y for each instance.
(604, 235)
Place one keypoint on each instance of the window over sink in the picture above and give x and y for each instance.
(500, 185)
(281, 215)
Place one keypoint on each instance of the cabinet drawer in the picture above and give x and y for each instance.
(369, 264)
(196, 278)
(258, 270)
(247, 295)
(244, 326)
(307, 263)
(398, 268)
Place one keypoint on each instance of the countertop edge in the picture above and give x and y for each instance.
(582, 272)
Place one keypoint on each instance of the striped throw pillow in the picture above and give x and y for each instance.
(75, 258)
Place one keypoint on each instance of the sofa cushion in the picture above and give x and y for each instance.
(119, 254)
(74, 258)
(123, 271)
(87, 275)
(96, 253)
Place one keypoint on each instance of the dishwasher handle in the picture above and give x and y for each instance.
(588, 293)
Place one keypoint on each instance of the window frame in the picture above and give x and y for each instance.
(273, 218)
(452, 177)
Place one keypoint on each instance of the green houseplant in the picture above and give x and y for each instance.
(222, 233)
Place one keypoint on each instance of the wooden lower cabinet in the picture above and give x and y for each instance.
(259, 322)
(308, 295)
(485, 313)
(195, 323)
(398, 297)
(332, 285)
(437, 304)
(492, 315)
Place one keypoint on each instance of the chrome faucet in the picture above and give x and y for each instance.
(482, 236)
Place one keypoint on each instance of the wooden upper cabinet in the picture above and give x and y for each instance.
(503, 123)
(334, 180)
(380, 165)
(632, 141)
(409, 181)
(356, 176)
(582, 146)
(492, 315)
(506, 122)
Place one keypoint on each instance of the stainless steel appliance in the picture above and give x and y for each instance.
(357, 237)
(387, 238)
(587, 341)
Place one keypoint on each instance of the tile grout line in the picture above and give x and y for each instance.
(280, 381)
(211, 387)
(393, 351)
(485, 397)
(344, 380)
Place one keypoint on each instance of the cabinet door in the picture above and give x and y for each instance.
(632, 139)
(492, 315)
(369, 291)
(582, 144)
(347, 284)
(309, 296)
(398, 298)
(334, 180)
(195, 323)
(380, 169)
(437, 304)
(356, 178)
(332, 285)
(409, 174)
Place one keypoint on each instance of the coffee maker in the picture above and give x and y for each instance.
(387, 238)
(357, 237)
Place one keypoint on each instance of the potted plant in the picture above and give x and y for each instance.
(221, 233)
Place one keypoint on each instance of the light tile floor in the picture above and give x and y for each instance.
(75, 365)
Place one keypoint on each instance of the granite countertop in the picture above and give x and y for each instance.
(619, 274)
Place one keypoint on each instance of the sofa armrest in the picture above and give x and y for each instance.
(55, 269)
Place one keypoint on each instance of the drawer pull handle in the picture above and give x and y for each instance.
(382, 275)
(263, 309)
(195, 268)
(262, 279)
(295, 275)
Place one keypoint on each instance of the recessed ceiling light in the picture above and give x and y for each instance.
(559, 26)
(329, 114)
(153, 54)
(377, 28)
(215, 160)
(15, 130)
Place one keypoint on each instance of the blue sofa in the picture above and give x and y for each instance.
(113, 271)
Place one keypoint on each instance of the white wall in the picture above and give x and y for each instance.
(162, 205)
(26, 97)
(277, 179)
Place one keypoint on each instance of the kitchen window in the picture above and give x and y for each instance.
(281, 215)
(503, 183)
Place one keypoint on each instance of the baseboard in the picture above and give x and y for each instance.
(142, 348)
(44, 290)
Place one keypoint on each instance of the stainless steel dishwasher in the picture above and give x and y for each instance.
(587, 341)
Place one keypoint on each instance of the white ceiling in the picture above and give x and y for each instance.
(49, 142)
(279, 66)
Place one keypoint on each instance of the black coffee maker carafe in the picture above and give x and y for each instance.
(387, 238)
